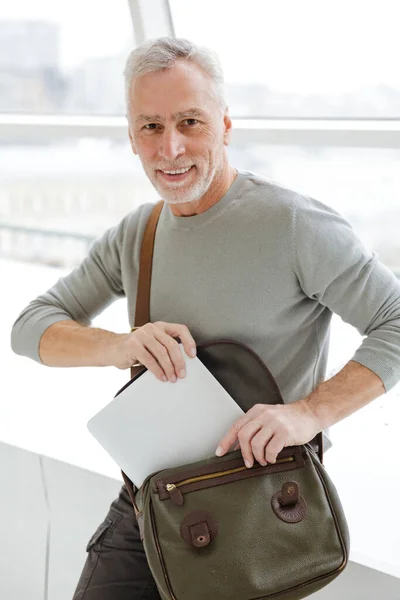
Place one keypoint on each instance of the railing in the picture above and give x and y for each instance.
(61, 248)
(53, 220)
(47, 232)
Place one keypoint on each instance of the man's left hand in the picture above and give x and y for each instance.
(266, 429)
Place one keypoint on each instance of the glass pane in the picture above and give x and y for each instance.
(56, 198)
(64, 57)
(301, 59)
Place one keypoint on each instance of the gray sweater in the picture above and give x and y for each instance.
(265, 266)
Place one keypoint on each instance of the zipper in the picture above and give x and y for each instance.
(222, 473)
(177, 497)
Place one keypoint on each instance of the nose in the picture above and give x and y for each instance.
(172, 144)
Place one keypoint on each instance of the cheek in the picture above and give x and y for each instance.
(146, 148)
(216, 139)
(210, 142)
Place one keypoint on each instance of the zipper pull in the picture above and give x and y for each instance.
(174, 493)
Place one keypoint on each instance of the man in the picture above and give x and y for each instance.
(235, 256)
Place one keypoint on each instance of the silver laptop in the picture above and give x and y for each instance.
(153, 425)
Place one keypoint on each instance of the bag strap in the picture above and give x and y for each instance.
(142, 311)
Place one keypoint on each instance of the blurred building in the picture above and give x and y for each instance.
(30, 75)
(29, 45)
(97, 86)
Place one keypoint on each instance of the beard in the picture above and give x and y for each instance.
(181, 192)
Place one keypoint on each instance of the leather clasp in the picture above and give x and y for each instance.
(288, 504)
(290, 493)
(198, 528)
(200, 534)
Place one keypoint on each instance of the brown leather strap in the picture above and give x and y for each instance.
(142, 312)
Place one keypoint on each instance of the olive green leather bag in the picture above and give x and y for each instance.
(216, 530)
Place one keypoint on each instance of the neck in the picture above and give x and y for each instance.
(216, 191)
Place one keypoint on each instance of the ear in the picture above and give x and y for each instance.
(227, 127)
(133, 145)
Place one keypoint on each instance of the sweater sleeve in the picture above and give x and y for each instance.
(335, 269)
(79, 296)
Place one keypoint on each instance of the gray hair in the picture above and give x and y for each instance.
(162, 53)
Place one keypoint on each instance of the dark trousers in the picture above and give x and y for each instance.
(116, 566)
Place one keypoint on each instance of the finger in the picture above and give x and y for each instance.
(259, 443)
(161, 354)
(147, 359)
(246, 435)
(174, 352)
(274, 446)
(230, 437)
(234, 446)
(181, 331)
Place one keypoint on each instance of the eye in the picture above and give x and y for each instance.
(191, 121)
(150, 126)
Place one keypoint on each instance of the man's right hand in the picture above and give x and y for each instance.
(154, 346)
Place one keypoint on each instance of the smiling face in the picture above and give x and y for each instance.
(179, 130)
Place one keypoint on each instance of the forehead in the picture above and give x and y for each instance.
(172, 91)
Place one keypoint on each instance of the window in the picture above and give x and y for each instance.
(63, 58)
(301, 59)
(55, 198)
